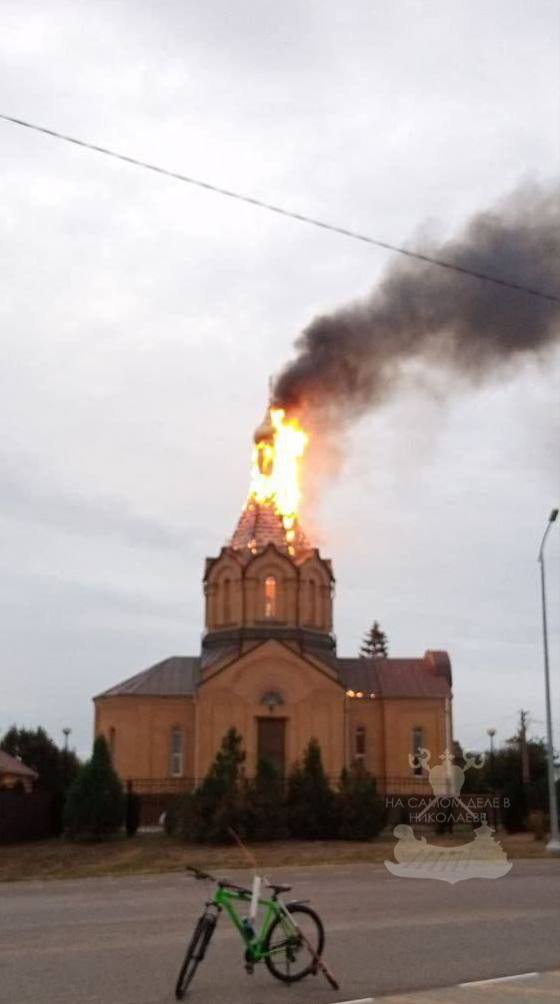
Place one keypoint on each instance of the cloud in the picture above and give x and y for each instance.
(27, 495)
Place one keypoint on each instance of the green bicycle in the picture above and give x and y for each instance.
(290, 940)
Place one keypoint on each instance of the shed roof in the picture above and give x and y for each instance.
(11, 765)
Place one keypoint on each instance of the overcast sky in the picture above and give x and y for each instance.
(141, 320)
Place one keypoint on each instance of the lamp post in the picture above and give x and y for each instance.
(491, 733)
(553, 845)
(66, 732)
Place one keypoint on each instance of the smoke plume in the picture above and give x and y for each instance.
(349, 361)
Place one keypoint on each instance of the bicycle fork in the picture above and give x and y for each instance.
(210, 921)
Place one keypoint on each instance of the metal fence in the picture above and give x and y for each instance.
(411, 785)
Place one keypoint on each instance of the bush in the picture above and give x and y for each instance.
(265, 816)
(310, 801)
(95, 805)
(360, 815)
(261, 810)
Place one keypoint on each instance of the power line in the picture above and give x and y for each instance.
(281, 211)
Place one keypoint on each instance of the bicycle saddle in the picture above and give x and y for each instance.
(279, 887)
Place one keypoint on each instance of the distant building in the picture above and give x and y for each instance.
(15, 774)
(268, 665)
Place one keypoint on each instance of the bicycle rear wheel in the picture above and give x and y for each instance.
(195, 953)
(288, 944)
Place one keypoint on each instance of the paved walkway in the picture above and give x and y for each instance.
(527, 988)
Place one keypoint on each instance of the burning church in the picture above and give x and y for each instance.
(268, 663)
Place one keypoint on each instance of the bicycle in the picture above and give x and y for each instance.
(290, 940)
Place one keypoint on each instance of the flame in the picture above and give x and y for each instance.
(280, 443)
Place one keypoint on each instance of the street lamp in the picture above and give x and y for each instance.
(66, 732)
(553, 845)
(491, 733)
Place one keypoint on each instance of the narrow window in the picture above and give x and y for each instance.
(270, 596)
(360, 743)
(112, 742)
(312, 602)
(176, 752)
(417, 744)
(226, 602)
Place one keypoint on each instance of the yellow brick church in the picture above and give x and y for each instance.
(269, 666)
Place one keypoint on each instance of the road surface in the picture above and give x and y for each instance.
(121, 940)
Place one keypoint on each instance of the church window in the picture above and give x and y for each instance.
(312, 602)
(417, 744)
(360, 741)
(270, 596)
(226, 601)
(112, 741)
(176, 752)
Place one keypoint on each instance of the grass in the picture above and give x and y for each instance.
(154, 852)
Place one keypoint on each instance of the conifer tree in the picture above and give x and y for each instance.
(94, 807)
(360, 813)
(310, 800)
(206, 814)
(375, 644)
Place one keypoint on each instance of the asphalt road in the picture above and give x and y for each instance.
(120, 941)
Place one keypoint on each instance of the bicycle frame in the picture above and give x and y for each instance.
(224, 899)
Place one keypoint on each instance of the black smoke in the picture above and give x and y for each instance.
(349, 361)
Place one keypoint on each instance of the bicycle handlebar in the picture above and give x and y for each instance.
(224, 883)
(198, 874)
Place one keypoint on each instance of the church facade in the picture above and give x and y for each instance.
(269, 666)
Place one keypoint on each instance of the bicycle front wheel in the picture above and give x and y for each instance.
(195, 953)
(293, 946)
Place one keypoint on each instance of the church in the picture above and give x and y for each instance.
(269, 666)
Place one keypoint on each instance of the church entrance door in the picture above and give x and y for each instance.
(271, 742)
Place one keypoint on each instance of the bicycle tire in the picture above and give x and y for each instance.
(293, 946)
(195, 953)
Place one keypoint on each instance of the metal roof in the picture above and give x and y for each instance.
(393, 677)
(11, 765)
(260, 525)
(180, 675)
(174, 676)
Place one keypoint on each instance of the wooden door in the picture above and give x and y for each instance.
(271, 742)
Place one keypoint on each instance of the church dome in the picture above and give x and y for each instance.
(260, 525)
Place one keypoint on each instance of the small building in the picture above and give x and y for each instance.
(15, 774)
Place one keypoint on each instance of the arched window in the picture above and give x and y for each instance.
(312, 602)
(176, 752)
(270, 596)
(360, 741)
(226, 607)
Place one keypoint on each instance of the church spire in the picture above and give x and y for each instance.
(270, 514)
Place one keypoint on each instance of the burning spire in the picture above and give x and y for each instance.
(271, 512)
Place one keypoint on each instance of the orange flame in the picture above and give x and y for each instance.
(280, 443)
